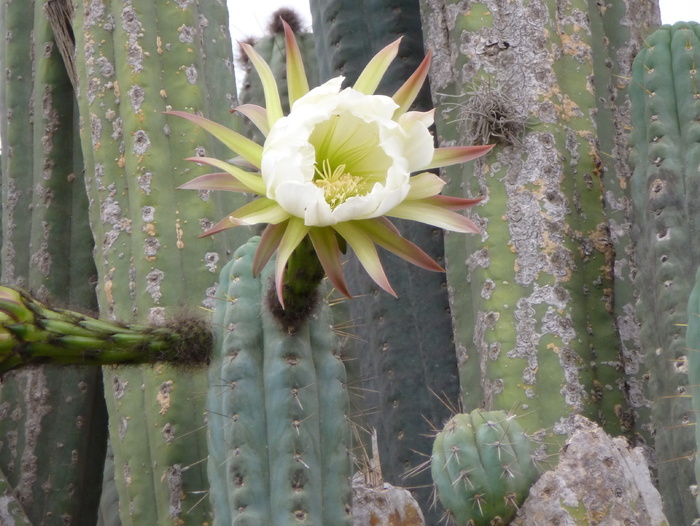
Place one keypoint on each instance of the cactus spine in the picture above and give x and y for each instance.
(665, 190)
(482, 465)
(135, 60)
(279, 434)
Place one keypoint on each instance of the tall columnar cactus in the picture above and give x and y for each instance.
(532, 299)
(47, 246)
(483, 467)
(665, 191)
(136, 59)
(407, 342)
(279, 435)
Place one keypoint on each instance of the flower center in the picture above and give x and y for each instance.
(337, 184)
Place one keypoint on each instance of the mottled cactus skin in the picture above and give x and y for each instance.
(47, 246)
(665, 190)
(532, 298)
(279, 436)
(396, 352)
(483, 467)
(135, 60)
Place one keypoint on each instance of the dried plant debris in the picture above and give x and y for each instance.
(490, 113)
(287, 14)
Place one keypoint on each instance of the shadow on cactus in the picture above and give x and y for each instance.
(331, 173)
(482, 466)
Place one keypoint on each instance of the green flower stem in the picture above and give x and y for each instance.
(301, 280)
(35, 334)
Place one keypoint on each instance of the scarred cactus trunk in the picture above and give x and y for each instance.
(136, 59)
(47, 246)
(533, 298)
(279, 433)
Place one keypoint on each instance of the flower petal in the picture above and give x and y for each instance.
(269, 242)
(386, 237)
(425, 184)
(272, 96)
(452, 203)
(257, 115)
(249, 150)
(326, 246)
(433, 215)
(372, 75)
(293, 234)
(217, 181)
(262, 210)
(366, 252)
(297, 83)
(407, 93)
(253, 181)
(419, 148)
(456, 154)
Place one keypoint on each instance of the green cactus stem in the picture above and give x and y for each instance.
(34, 334)
(278, 432)
(665, 192)
(483, 467)
(692, 339)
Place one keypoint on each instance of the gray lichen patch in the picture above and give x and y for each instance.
(187, 34)
(174, 479)
(153, 281)
(36, 396)
(41, 259)
(141, 142)
(134, 30)
(151, 247)
(136, 96)
(210, 260)
(105, 66)
(144, 181)
(191, 74)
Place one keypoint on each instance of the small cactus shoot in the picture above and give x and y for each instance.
(483, 468)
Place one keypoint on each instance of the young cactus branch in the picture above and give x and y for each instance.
(32, 333)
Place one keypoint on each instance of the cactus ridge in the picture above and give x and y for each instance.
(482, 466)
(665, 190)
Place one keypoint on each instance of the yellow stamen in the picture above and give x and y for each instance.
(337, 184)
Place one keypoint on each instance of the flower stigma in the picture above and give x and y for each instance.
(337, 184)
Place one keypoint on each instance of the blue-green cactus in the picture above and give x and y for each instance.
(279, 438)
(482, 467)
